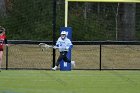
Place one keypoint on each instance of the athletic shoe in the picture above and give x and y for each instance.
(53, 69)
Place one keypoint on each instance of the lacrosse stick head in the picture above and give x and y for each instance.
(44, 46)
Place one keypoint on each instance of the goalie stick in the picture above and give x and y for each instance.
(46, 46)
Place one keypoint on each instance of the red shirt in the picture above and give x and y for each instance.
(2, 39)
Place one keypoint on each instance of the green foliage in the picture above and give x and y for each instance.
(94, 27)
(32, 19)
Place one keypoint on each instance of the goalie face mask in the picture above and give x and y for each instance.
(63, 36)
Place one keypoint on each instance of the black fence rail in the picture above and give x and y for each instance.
(89, 55)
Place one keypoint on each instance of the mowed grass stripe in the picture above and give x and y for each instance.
(40, 81)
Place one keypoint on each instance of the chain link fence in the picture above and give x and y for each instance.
(87, 55)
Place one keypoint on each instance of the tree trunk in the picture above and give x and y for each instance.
(2, 8)
(126, 21)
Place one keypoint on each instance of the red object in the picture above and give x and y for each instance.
(2, 38)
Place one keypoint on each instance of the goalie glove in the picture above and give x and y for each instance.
(67, 48)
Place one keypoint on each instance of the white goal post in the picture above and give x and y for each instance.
(119, 1)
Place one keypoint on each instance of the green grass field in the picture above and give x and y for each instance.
(76, 81)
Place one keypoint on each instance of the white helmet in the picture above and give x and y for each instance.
(63, 33)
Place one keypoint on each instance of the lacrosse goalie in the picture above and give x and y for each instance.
(63, 44)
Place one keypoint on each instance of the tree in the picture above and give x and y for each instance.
(2, 8)
(126, 21)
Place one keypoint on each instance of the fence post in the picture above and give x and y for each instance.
(100, 57)
(54, 30)
(6, 57)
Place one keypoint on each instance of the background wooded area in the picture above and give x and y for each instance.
(32, 20)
